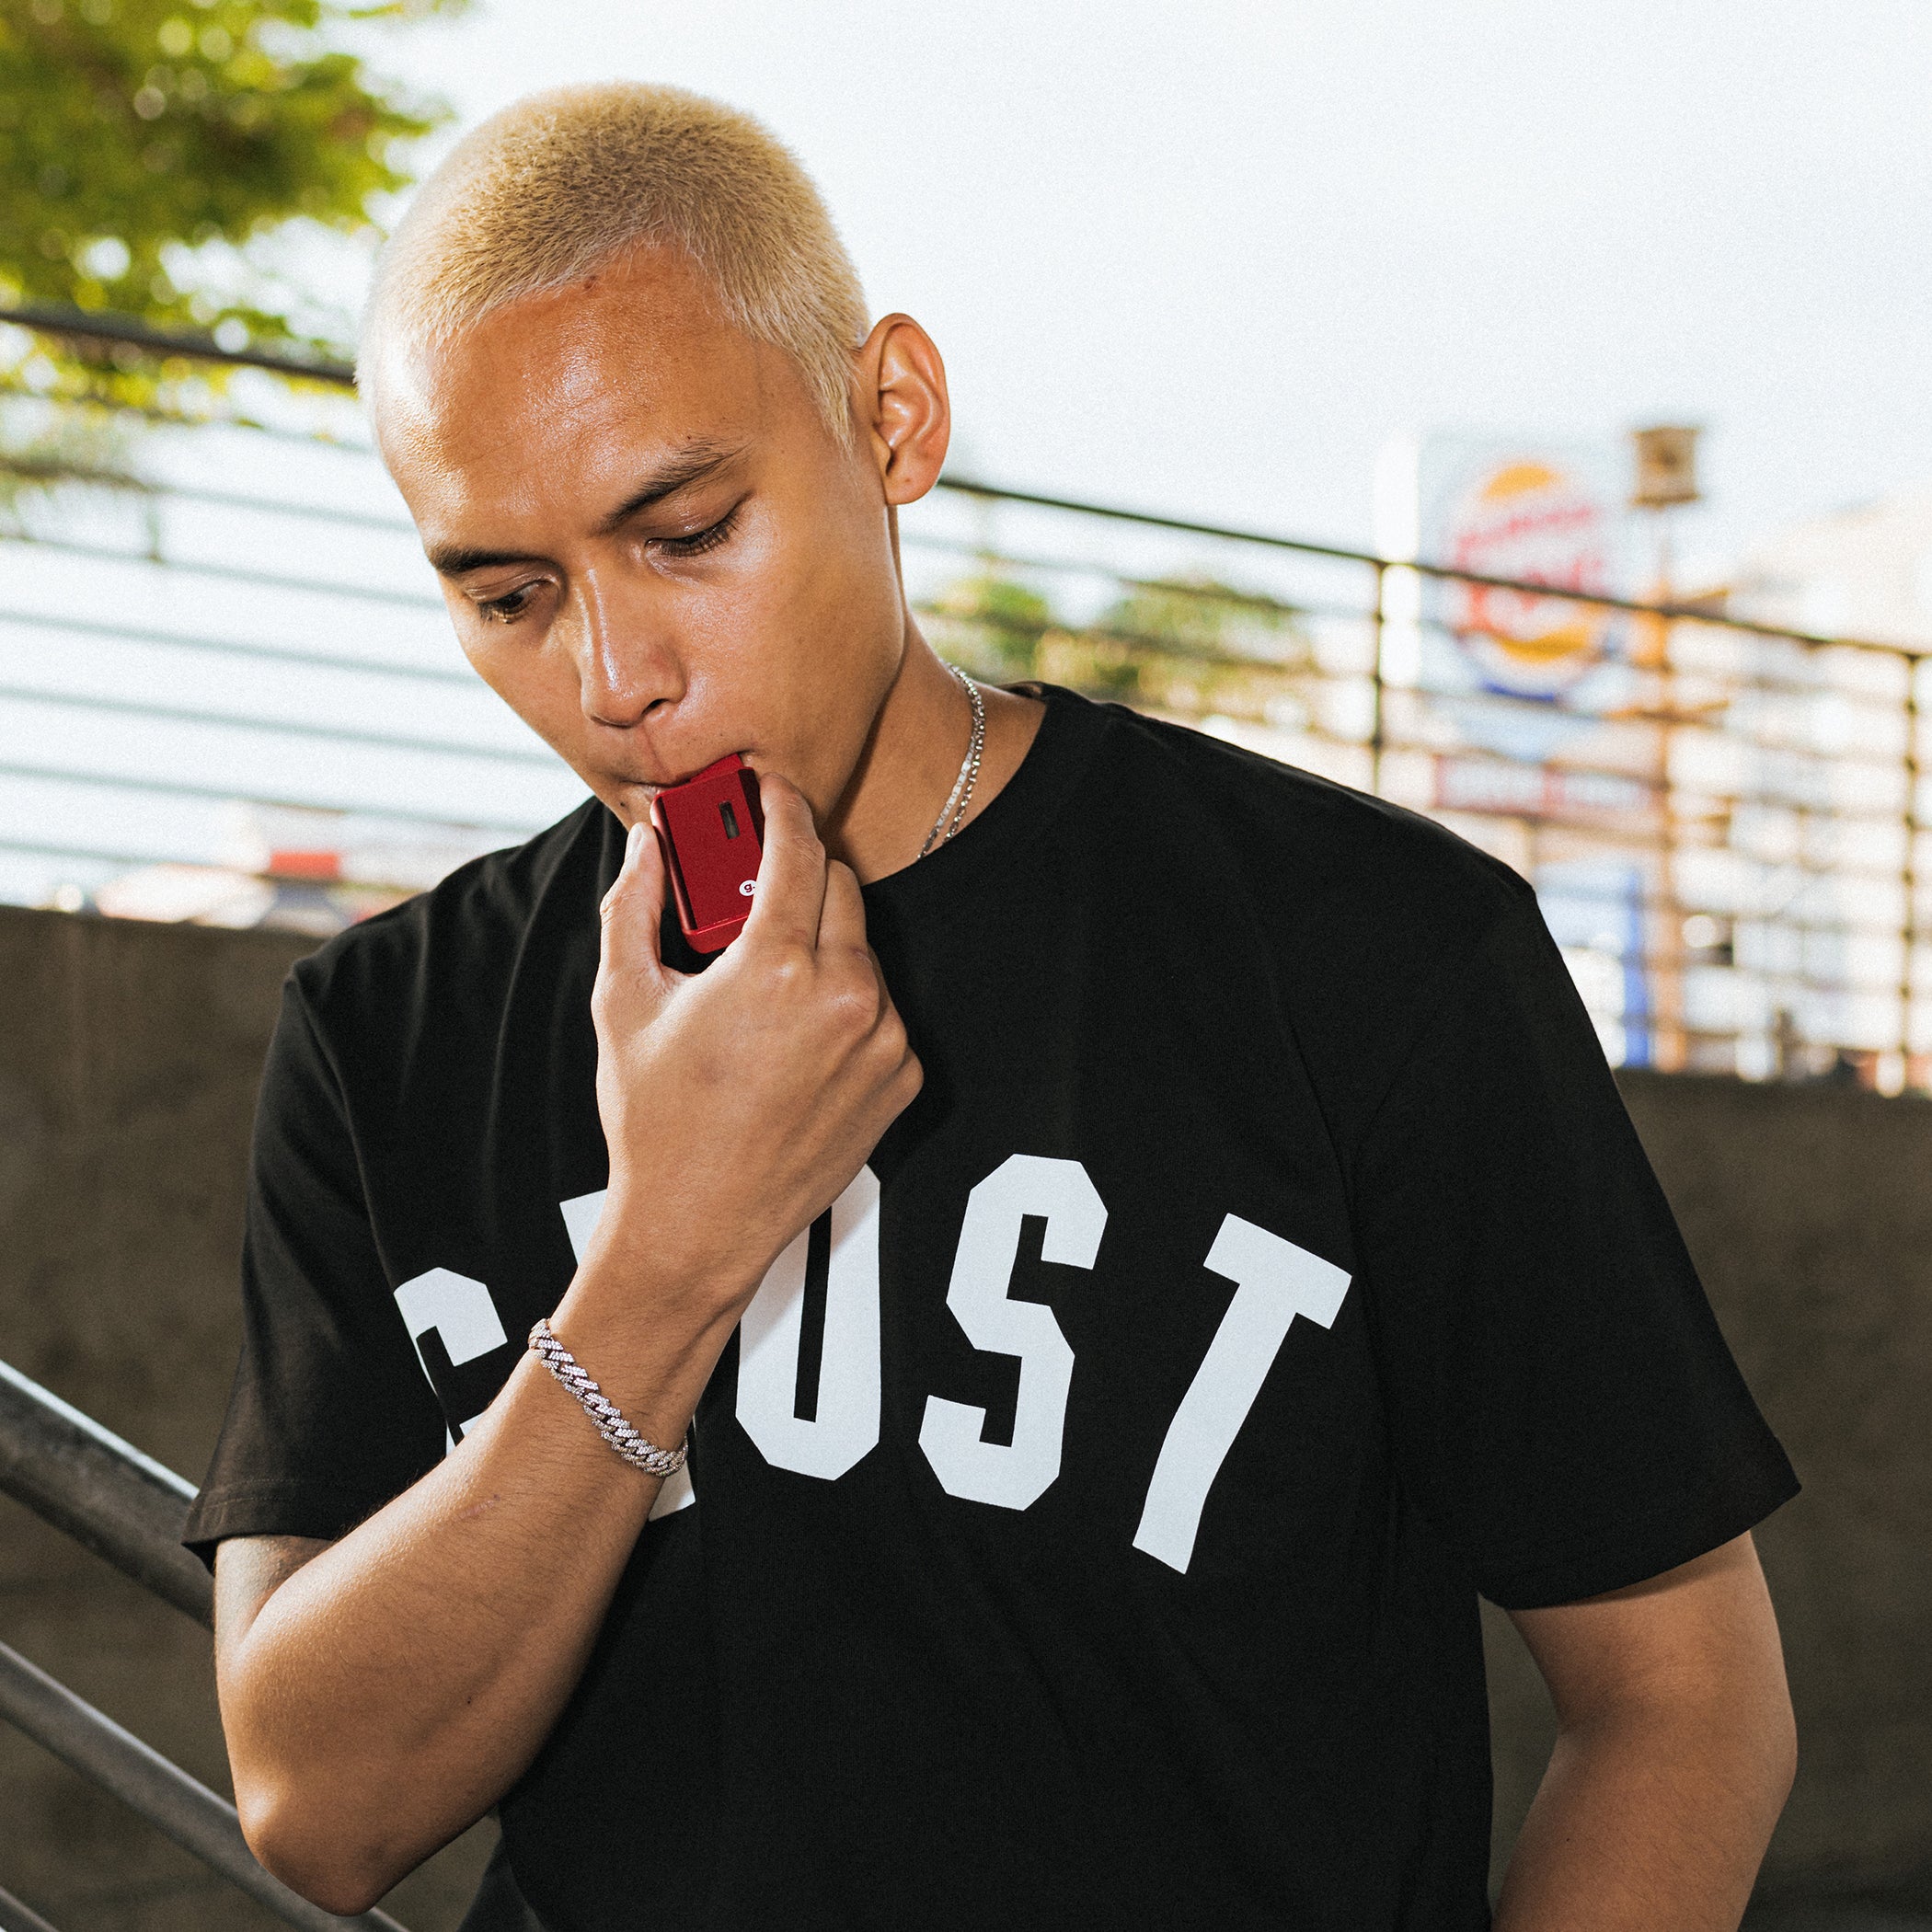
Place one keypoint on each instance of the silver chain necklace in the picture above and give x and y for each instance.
(952, 814)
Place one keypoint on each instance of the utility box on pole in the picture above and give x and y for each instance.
(1666, 467)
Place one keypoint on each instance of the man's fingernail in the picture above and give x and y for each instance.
(632, 844)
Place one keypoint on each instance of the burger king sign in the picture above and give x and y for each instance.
(1536, 518)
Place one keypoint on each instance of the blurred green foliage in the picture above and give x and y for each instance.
(1200, 617)
(995, 624)
(141, 140)
(1188, 648)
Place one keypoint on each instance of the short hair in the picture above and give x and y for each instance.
(562, 182)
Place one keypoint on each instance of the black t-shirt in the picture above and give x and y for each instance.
(1084, 1528)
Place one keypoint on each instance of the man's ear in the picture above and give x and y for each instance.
(904, 411)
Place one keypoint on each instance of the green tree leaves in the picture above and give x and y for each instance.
(146, 145)
(1188, 648)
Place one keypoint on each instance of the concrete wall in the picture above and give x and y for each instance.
(129, 1055)
(1809, 1211)
(128, 1060)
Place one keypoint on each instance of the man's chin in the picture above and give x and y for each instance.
(629, 799)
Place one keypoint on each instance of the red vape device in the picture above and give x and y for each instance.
(713, 834)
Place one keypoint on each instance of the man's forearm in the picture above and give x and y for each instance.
(389, 1690)
(1649, 1821)
(392, 1689)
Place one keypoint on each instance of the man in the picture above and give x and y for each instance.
(1135, 1238)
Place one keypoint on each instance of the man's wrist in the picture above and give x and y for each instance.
(650, 1337)
(629, 1444)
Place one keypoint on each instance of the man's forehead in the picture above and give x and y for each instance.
(639, 349)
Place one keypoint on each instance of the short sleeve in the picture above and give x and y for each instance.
(329, 1417)
(1564, 1407)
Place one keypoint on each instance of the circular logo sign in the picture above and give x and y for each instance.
(1538, 524)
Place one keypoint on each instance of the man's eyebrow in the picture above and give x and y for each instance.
(688, 464)
(448, 561)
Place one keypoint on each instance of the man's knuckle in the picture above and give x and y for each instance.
(847, 970)
(852, 1008)
(787, 971)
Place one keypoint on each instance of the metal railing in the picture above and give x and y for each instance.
(19, 1916)
(1726, 819)
(128, 1509)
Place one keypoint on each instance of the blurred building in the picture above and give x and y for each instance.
(1822, 887)
(1862, 572)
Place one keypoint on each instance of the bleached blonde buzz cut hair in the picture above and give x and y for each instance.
(563, 182)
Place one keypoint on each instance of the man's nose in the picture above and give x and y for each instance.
(626, 660)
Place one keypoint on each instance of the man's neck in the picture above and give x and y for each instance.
(914, 757)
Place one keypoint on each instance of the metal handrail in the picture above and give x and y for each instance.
(163, 341)
(174, 1803)
(100, 1490)
(131, 1510)
(15, 1917)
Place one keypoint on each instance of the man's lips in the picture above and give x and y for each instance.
(648, 788)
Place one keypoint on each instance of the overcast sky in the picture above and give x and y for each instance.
(1207, 257)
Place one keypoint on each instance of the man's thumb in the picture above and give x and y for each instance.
(632, 910)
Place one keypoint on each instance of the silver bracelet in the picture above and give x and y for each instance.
(611, 1425)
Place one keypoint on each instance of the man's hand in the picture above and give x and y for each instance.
(380, 1693)
(738, 1104)
(1675, 1754)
